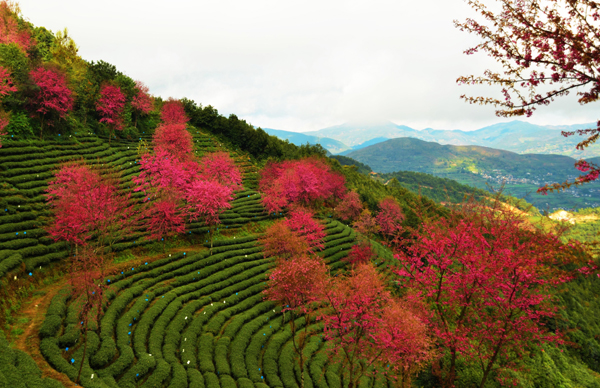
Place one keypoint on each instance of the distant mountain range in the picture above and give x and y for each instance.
(522, 174)
(412, 154)
(516, 136)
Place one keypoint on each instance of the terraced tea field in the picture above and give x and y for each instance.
(183, 320)
(26, 168)
(191, 320)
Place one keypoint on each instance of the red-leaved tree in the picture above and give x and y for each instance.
(366, 223)
(404, 340)
(350, 207)
(360, 253)
(11, 31)
(165, 218)
(110, 105)
(539, 43)
(4, 121)
(301, 221)
(389, 218)
(142, 102)
(304, 182)
(175, 140)
(6, 83)
(296, 284)
(220, 167)
(281, 242)
(490, 281)
(89, 212)
(172, 112)
(88, 208)
(207, 200)
(353, 315)
(51, 97)
(165, 182)
(163, 172)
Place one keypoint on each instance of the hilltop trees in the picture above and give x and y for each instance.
(10, 29)
(560, 38)
(52, 97)
(172, 112)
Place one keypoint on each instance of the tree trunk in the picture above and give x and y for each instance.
(488, 369)
(450, 377)
(41, 128)
(84, 351)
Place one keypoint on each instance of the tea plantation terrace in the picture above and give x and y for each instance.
(196, 320)
(27, 167)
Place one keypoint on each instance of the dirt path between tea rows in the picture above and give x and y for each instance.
(34, 308)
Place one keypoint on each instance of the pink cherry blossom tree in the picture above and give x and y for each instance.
(296, 285)
(207, 200)
(301, 221)
(360, 253)
(52, 95)
(490, 282)
(110, 106)
(220, 167)
(389, 218)
(353, 315)
(404, 340)
(304, 182)
(175, 140)
(350, 207)
(172, 112)
(11, 31)
(142, 102)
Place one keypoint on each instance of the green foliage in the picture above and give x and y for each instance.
(244, 136)
(18, 370)
(13, 59)
(346, 161)
(19, 126)
(438, 189)
(45, 41)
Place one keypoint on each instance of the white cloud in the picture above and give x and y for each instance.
(296, 65)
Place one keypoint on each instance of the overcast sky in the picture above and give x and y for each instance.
(297, 65)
